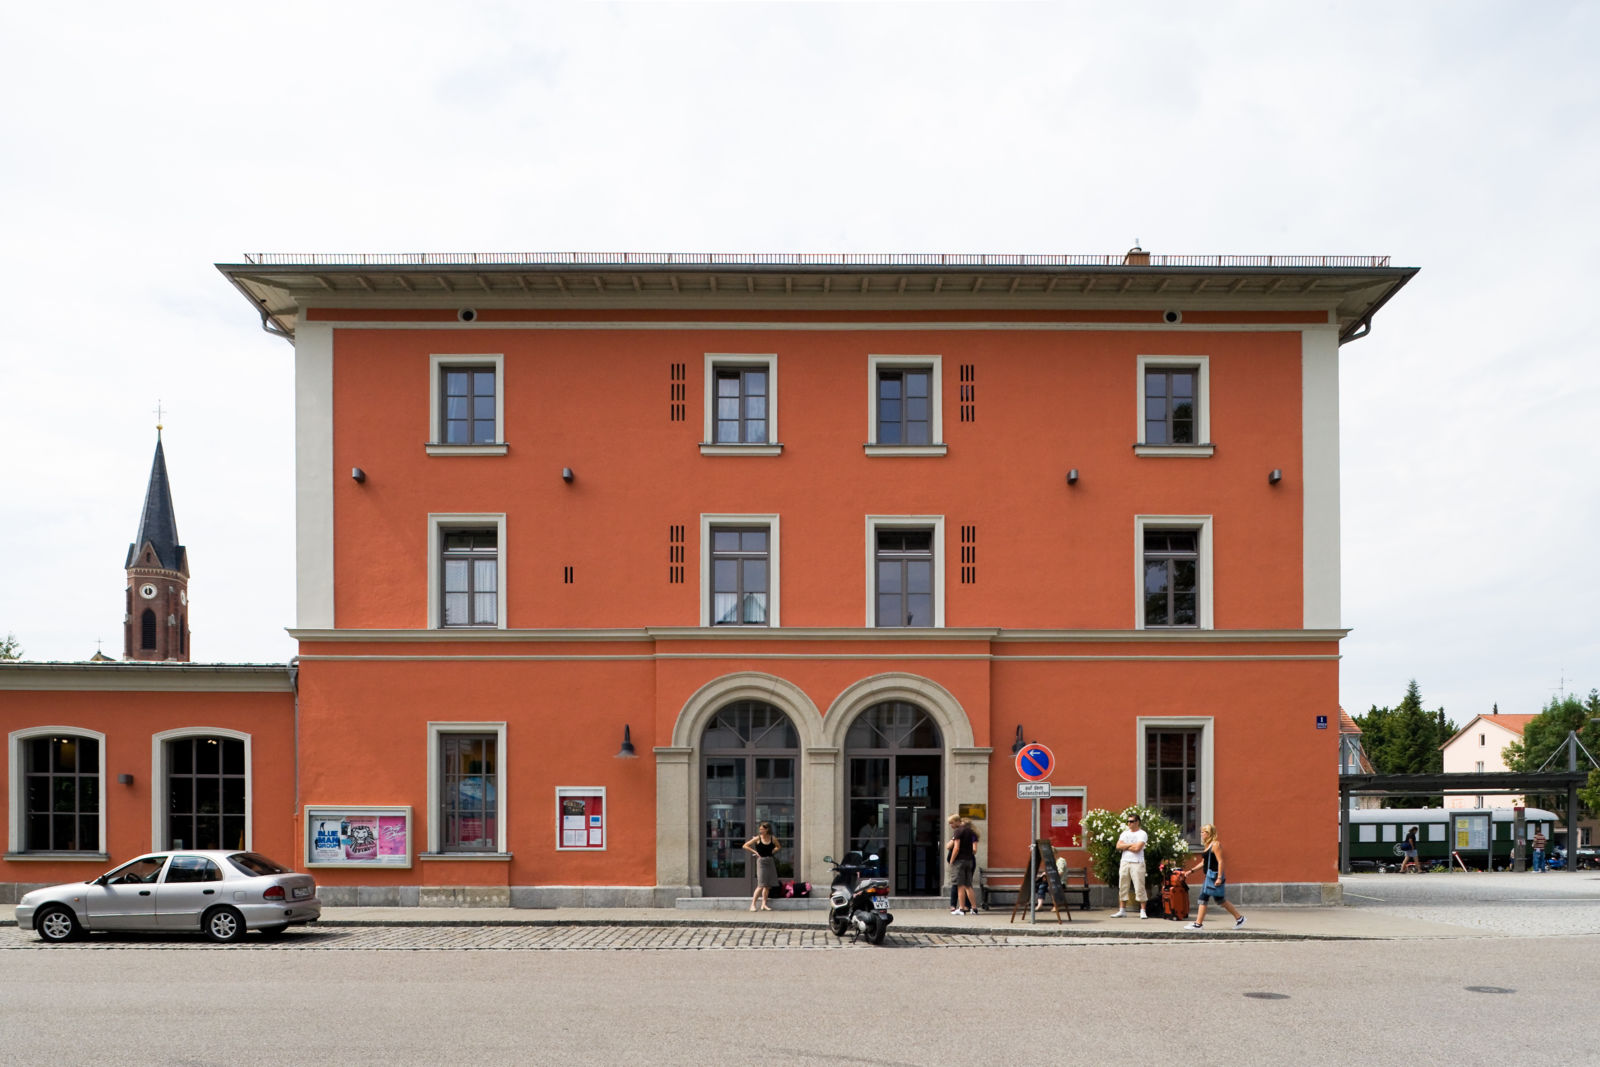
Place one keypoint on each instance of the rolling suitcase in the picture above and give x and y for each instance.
(1175, 895)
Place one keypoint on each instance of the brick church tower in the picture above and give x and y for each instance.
(156, 625)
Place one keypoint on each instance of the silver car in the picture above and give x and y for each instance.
(219, 893)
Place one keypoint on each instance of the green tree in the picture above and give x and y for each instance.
(1406, 739)
(1543, 742)
(9, 648)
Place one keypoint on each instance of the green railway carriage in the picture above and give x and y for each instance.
(1482, 837)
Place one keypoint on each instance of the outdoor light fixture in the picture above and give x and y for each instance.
(1275, 476)
(358, 474)
(1016, 746)
(124, 779)
(628, 751)
(1072, 476)
(566, 475)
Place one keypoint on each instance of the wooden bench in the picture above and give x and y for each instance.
(1004, 880)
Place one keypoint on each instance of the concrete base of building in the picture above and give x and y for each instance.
(1245, 895)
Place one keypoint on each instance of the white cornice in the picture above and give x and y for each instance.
(752, 635)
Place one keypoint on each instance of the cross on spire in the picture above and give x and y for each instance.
(158, 415)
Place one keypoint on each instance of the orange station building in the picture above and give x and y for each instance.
(817, 539)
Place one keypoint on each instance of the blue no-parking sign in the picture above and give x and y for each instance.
(1035, 762)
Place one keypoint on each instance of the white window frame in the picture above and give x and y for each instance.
(14, 764)
(437, 524)
(935, 398)
(158, 778)
(436, 730)
(436, 364)
(1203, 446)
(770, 521)
(914, 522)
(1206, 601)
(742, 360)
(1208, 776)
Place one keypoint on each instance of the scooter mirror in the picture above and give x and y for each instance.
(827, 859)
(872, 858)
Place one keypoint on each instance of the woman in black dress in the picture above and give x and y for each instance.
(764, 847)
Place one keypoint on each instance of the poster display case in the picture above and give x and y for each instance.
(358, 835)
(581, 818)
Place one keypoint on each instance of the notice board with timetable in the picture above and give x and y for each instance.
(581, 818)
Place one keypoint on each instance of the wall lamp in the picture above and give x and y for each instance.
(566, 475)
(1274, 476)
(1017, 745)
(358, 474)
(1072, 476)
(628, 751)
(124, 779)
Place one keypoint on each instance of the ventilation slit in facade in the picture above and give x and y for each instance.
(677, 407)
(969, 393)
(969, 555)
(675, 555)
(566, 575)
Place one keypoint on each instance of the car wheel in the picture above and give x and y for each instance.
(223, 924)
(56, 925)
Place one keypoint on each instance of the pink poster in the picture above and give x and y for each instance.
(391, 835)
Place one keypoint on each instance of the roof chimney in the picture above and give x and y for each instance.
(1136, 257)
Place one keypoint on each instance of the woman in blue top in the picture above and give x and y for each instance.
(1216, 880)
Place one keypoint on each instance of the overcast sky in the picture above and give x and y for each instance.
(141, 144)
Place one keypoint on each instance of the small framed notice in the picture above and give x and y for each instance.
(581, 818)
(358, 835)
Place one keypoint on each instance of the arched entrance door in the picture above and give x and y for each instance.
(748, 755)
(893, 791)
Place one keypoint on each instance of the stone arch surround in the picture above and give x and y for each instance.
(965, 767)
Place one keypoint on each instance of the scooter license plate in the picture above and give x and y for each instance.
(880, 903)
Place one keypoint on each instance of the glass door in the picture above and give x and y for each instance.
(894, 790)
(749, 758)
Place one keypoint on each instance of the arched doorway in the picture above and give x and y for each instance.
(749, 753)
(894, 787)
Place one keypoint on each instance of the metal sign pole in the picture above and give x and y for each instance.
(1033, 850)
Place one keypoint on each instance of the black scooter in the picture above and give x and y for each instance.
(859, 898)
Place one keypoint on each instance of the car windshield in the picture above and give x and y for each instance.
(257, 865)
(143, 869)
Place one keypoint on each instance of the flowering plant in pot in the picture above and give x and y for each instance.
(1101, 828)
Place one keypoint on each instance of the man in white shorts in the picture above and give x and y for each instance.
(1130, 877)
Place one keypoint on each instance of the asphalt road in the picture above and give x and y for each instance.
(1045, 1002)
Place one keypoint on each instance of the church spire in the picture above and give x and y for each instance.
(156, 620)
(158, 525)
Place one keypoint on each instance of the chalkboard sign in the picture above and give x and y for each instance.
(1046, 854)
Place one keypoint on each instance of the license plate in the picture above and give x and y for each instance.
(301, 891)
(880, 903)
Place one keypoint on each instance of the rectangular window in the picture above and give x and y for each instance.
(904, 573)
(1174, 414)
(741, 402)
(1171, 578)
(467, 405)
(1170, 411)
(468, 417)
(61, 794)
(905, 406)
(1172, 775)
(468, 792)
(741, 394)
(739, 576)
(469, 570)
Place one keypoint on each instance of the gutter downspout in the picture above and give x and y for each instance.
(294, 684)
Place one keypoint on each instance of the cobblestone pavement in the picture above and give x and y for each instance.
(535, 939)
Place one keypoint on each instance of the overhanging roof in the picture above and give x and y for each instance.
(278, 285)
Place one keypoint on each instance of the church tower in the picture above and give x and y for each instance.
(155, 627)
